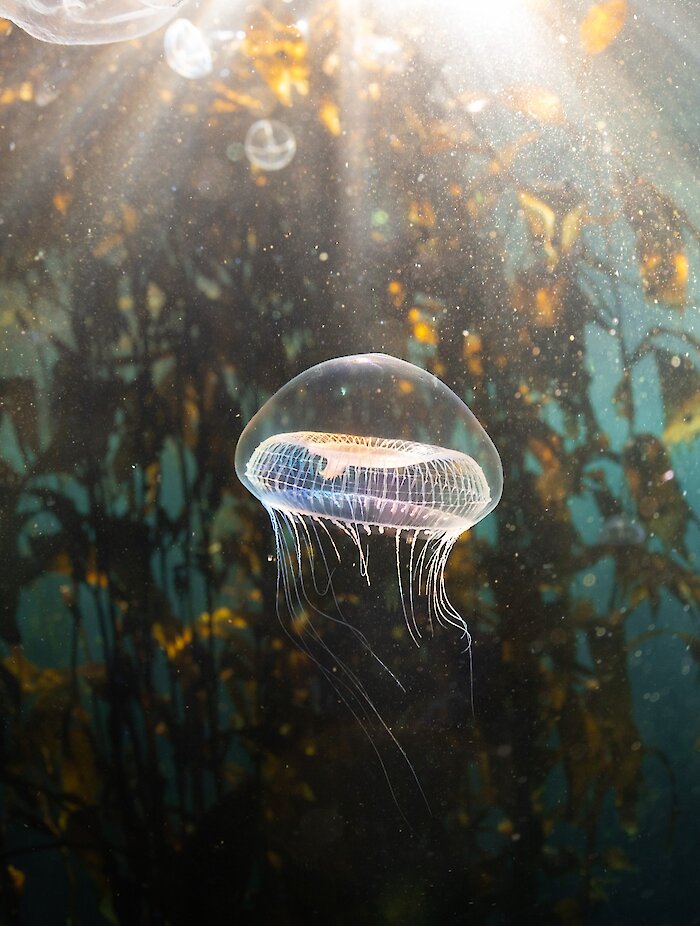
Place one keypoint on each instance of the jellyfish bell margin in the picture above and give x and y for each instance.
(89, 22)
(369, 444)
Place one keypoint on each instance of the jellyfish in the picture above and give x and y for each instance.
(367, 445)
(191, 51)
(89, 22)
(186, 50)
(354, 448)
(620, 530)
(269, 144)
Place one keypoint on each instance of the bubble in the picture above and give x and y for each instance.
(269, 144)
(89, 22)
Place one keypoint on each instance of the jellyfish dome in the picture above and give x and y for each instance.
(371, 444)
(187, 50)
(270, 144)
(89, 22)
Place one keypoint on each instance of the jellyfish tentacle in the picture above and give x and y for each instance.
(410, 576)
(341, 620)
(347, 685)
(362, 721)
(413, 630)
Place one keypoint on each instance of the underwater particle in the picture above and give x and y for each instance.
(270, 144)
(379, 217)
(89, 22)
(235, 151)
(186, 50)
(46, 93)
(346, 446)
(621, 530)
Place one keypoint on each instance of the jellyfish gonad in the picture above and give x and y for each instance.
(367, 445)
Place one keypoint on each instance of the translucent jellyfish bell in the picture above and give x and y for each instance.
(89, 22)
(187, 50)
(370, 444)
(269, 144)
(620, 530)
(191, 51)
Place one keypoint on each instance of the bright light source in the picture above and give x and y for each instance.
(491, 15)
(481, 26)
